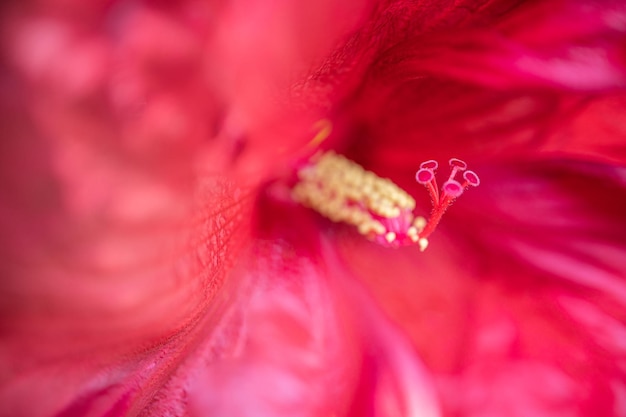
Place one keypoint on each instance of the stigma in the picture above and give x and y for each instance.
(344, 192)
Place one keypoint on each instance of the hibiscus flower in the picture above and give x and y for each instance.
(162, 255)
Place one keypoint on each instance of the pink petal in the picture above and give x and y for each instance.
(570, 44)
(574, 232)
(595, 133)
(114, 243)
(578, 47)
(523, 282)
(310, 335)
(118, 224)
(393, 380)
(292, 356)
(83, 317)
(433, 91)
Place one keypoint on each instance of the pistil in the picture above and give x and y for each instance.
(450, 190)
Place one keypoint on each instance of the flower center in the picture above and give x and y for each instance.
(343, 191)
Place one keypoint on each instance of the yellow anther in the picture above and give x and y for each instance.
(364, 228)
(343, 191)
(378, 228)
(324, 128)
(390, 237)
(419, 223)
(423, 244)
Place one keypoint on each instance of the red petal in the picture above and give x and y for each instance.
(465, 90)
(293, 355)
(574, 231)
(114, 246)
(393, 381)
(596, 132)
(111, 246)
(523, 282)
(568, 44)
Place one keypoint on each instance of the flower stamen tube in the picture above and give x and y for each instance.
(344, 192)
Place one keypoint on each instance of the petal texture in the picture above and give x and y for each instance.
(293, 357)
(530, 288)
(502, 80)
